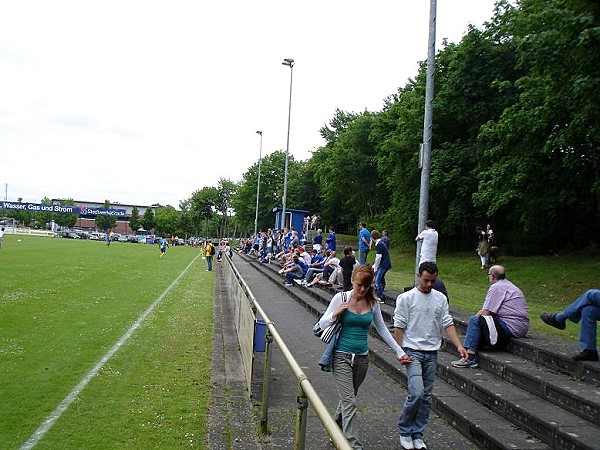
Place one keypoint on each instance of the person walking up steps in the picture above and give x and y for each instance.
(420, 318)
(355, 310)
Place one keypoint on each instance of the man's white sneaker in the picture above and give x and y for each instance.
(406, 442)
(419, 444)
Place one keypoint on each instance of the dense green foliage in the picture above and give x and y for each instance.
(516, 130)
(515, 139)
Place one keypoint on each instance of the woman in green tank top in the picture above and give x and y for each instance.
(350, 359)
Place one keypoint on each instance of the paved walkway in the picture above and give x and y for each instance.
(380, 399)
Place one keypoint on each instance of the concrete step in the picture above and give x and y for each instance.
(552, 424)
(569, 393)
(551, 352)
(530, 386)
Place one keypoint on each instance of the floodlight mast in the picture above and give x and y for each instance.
(258, 183)
(290, 63)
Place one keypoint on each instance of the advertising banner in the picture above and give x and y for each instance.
(62, 209)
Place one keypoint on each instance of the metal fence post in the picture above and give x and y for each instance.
(300, 437)
(265, 387)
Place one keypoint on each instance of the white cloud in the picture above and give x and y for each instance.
(147, 101)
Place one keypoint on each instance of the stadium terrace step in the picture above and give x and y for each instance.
(531, 396)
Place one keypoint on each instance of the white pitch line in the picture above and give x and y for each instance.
(52, 418)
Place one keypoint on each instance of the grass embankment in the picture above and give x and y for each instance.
(64, 304)
(548, 282)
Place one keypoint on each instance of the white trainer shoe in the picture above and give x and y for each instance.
(406, 443)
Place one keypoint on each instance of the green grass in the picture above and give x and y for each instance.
(64, 304)
(549, 282)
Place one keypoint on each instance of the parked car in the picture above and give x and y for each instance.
(123, 238)
(70, 235)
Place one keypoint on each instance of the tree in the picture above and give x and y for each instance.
(226, 190)
(202, 206)
(167, 221)
(271, 192)
(542, 151)
(21, 216)
(347, 173)
(43, 218)
(135, 222)
(106, 222)
(148, 221)
(66, 220)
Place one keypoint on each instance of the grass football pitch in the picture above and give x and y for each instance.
(111, 344)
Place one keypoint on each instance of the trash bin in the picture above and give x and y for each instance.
(260, 336)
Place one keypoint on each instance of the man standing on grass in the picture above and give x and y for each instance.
(429, 241)
(209, 252)
(1, 236)
(383, 263)
(364, 243)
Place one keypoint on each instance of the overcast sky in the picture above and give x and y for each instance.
(143, 102)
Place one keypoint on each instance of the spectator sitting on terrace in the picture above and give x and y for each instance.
(305, 256)
(585, 309)
(285, 256)
(315, 266)
(293, 272)
(329, 265)
(506, 317)
(302, 239)
(295, 239)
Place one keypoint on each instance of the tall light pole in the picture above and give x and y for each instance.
(258, 183)
(427, 127)
(290, 63)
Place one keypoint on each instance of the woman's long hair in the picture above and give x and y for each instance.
(365, 275)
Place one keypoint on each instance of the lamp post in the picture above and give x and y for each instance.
(290, 63)
(427, 128)
(258, 183)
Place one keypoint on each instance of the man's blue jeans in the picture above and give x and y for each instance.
(421, 373)
(209, 263)
(473, 335)
(378, 282)
(587, 310)
(362, 256)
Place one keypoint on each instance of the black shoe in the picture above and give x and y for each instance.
(586, 355)
(551, 320)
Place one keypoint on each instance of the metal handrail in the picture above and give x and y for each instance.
(304, 384)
